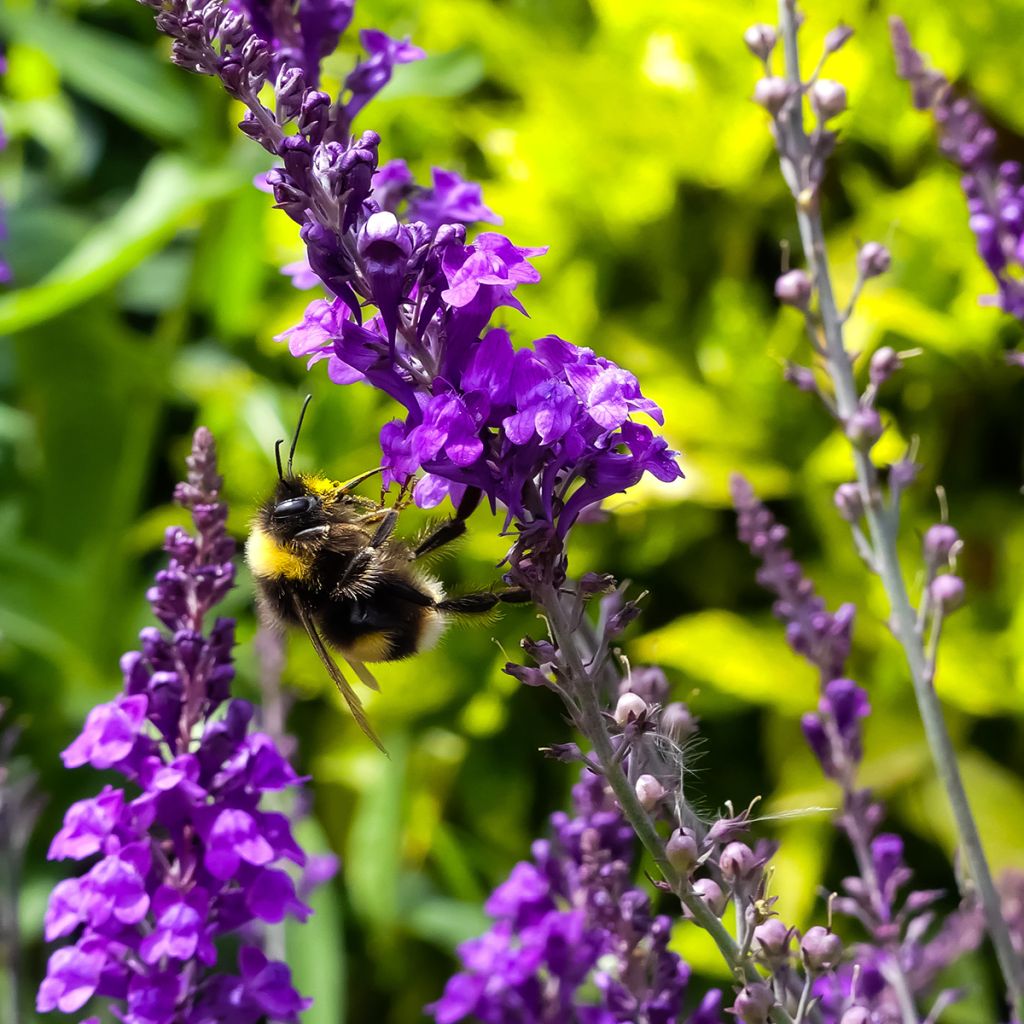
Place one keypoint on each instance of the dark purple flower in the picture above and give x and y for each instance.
(185, 852)
(371, 75)
(569, 918)
(450, 200)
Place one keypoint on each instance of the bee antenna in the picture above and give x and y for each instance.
(298, 428)
(277, 456)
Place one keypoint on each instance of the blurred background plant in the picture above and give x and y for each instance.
(146, 297)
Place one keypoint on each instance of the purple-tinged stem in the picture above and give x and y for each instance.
(882, 529)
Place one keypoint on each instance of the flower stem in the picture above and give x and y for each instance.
(883, 537)
(594, 727)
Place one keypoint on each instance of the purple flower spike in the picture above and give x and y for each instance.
(185, 854)
(569, 926)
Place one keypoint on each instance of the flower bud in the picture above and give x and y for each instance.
(837, 38)
(939, 541)
(903, 473)
(856, 1015)
(681, 850)
(678, 722)
(737, 863)
(772, 93)
(820, 949)
(753, 1003)
(884, 363)
(630, 706)
(760, 40)
(648, 682)
(794, 289)
(773, 939)
(864, 427)
(947, 592)
(526, 675)
(801, 376)
(711, 893)
(873, 259)
(649, 791)
(828, 98)
(849, 502)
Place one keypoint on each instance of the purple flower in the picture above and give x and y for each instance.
(823, 638)
(566, 923)
(451, 200)
(994, 190)
(185, 852)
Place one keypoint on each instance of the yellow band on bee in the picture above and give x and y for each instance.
(269, 560)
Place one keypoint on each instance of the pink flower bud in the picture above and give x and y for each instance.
(678, 722)
(873, 259)
(760, 40)
(820, 949)
(711, 893)
(649, 791)
(630, 706)
(753, 1003)
(828, 98)
(773, 939)
(939, 542)
(947, 592)
(884, 363)
(864, 427)
(794, 289)
(837, 38)
(681, 851)
(849, 502)
(737, 863)
(772, 93)
(856, 1015)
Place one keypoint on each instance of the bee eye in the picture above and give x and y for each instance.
(295, 507)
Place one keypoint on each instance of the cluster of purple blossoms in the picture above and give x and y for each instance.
(547, 430)
(573, 939)
(994, 189)
(185, 853)
(897, 967)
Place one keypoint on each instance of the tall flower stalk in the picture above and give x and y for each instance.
(802, 159)
(184, 851)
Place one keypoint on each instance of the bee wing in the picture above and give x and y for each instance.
(351, 698)
(364, 674)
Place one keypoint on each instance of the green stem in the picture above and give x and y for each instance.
(593, 725)
(883, 537)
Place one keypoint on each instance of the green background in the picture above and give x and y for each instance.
(620, 133)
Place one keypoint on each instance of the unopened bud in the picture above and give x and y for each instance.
(526, 675)
(856, 1015)
(864, 427)
(820, 949)
(678, 722)
(681, 850)
(772, 93)
(837, 38)
(801, 376)
(773, 939)
(754, 1003)
(711, 893)
(760, 40)
(939, 541)
(947, 592)
(794, 289)
(828, 98)
(737, 862)
(884, 363)
(649, 791)
(849, 502)
(873, 259)
(630, 707)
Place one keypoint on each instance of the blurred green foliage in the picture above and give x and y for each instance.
(621, 133)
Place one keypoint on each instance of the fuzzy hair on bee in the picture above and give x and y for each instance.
(327, 559)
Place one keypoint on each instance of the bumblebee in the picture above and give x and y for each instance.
(326, 558)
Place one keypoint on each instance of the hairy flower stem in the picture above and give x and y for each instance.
(882, 529)
(593, 725)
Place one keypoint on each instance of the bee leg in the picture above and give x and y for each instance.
(483, 601)
(450, 529)
(387, 527)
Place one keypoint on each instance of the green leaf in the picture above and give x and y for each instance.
(168, 194)
(446, 74)
(734, 656)
(446, 923)
(115, 73)
(316, 951)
